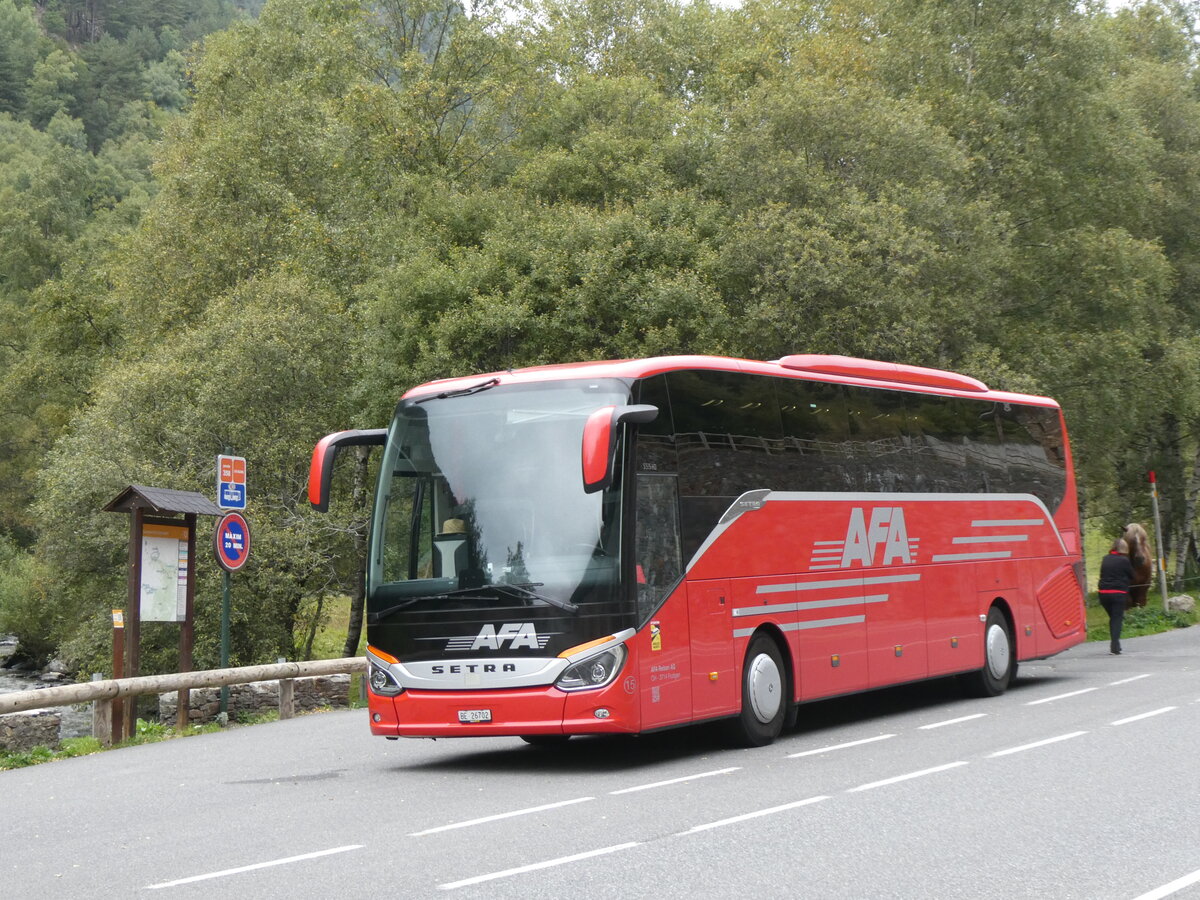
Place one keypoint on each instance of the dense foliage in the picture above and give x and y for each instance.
(351, 198)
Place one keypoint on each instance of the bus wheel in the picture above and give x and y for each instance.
(545, 740)
(999, 658)
(764, 694)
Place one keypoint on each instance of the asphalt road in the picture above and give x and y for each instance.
(1080, 782)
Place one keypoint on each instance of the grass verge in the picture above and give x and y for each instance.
(1148, 619)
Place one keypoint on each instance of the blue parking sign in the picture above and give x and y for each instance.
(231, 482)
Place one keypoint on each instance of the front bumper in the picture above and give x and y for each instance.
(542, 710)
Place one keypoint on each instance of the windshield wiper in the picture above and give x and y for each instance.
(523, 590)
(463, 594)
(376, 617)
(461, 392)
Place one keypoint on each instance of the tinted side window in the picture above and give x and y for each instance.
(729, 440)
(878, 450)
(815, 438)
(986, 465)
(657, 553)
(1033, 448)
(726, 429)
(938, 428)
(656, 440)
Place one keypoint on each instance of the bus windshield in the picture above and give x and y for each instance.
(481, 503)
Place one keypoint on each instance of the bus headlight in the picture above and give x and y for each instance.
(594, 672)
(383, 683)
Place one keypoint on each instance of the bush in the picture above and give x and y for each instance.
(23, 610)
(1149, 619)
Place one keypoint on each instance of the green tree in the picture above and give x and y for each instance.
(52, 88)
(20, 40)
(248, 375)
(12, 91)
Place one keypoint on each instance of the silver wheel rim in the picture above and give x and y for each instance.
(765, 687)
(998, 651)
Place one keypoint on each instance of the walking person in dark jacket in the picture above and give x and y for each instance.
(1116, 575)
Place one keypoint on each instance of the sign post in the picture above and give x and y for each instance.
(231, 494)
(231, 542)
(1158, 541)
(118, 667)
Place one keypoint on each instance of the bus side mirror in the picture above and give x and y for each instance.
(600, 440)
(320, 471)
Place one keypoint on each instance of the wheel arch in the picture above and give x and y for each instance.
(1019, 639)
(987, 681)
(775, 633)
(1006, 608)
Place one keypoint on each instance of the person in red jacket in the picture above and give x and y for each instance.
(1116, 575)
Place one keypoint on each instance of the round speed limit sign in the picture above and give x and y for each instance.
(231, 541)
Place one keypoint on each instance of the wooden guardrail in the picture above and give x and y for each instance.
(103, 693)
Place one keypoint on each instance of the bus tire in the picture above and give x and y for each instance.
(545, 740)
(999, 658)
(765, 698)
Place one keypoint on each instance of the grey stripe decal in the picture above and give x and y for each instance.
(1003, 523)
(958, 557)
(808, 604)
(805, 626)
(838, 583)
(825, 623)
(991, 539)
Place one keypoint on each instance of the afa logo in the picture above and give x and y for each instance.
(885, 533)
(520, 634)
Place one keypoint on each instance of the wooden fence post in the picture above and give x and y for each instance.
(287, 695)
(102, 717)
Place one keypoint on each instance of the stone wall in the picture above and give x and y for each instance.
(260, 697)
(29, 729)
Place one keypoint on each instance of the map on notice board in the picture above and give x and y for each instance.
(164, 573)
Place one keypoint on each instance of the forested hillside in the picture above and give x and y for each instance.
(86, 89)
(349, 198)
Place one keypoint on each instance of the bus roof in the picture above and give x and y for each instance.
(809, 367)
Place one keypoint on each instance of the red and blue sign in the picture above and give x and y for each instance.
(231, 482)
(231, 541)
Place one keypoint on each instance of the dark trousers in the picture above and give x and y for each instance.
(1115, 605)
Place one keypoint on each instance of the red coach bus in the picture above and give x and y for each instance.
(621, 547)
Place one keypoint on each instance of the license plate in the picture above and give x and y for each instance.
(474, 715)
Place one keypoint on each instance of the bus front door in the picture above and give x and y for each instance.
(665, 663)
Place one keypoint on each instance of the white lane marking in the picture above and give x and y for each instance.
(952, 721)
(1145, 715)
(498, 816)
(646, 787)
(882, 737)
(1053, 740)
(1060, 697)
(550, 863)
(753, 815)
(251, 868)
(1167, 889)
(908, 777)
(1127, 680)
